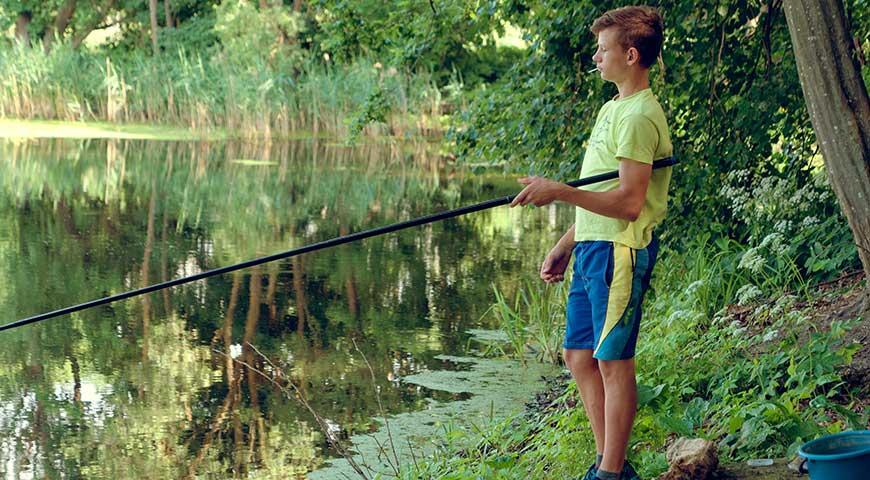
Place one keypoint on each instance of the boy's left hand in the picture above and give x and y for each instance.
(539, 191)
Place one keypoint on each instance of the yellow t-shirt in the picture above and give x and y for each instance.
(633, 127)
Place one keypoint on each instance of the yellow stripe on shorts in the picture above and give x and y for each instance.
(620, 289)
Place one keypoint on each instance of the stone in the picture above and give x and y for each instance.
(691, 459)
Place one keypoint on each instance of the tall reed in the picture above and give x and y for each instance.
(534, 321)
(204, 93)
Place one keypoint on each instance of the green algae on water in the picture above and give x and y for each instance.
(499, 388)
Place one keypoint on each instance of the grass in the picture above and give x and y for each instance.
(760, 379)
(532, 322)
(15, 128)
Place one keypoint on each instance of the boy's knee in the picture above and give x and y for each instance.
(580, 361)
(617, 370)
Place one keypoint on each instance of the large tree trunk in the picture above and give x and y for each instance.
(22, 28)
(56, 31)
(152, 6)
(839, 108)
(167, 9)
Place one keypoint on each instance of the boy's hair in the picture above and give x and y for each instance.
(639, 27)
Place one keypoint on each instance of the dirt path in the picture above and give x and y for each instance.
(740, 471)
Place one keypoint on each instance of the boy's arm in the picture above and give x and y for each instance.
(554, 265)
(567, 242)
(623, 202)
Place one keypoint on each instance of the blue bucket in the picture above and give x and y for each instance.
(843, 456)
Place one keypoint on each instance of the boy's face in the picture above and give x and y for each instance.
(613, 62)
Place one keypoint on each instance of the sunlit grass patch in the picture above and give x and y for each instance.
(13, 128)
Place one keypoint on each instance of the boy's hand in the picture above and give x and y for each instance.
(554, 266)
(539, 191)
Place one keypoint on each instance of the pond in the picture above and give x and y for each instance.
(168, 385)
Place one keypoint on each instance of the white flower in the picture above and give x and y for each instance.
(770, 335)
(693, 287)
(810, 221)
(785, 300)
(747, 293)
(783, 226)
(773, 240)
(751, 261)
(680, 316)
(235, 350)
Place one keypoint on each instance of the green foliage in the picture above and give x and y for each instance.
(193, 26)
(730, 91)
(374, 109)
(534, 322)
(41, 12)
(250, 97)
(250, 36)
(196, 34)
(760, 379)
(438, 36)
(788, 217)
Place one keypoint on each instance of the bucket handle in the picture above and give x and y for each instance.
(802, 467)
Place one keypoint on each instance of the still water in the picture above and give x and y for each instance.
(148, 387)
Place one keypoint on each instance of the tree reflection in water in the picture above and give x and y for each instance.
(136, 389)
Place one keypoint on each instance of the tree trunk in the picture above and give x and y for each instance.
(84, 31)
(22, 28)
(838, 105)
(167, 9)
(56, 31)
(152, 6)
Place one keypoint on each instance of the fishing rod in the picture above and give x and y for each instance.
(496, 202)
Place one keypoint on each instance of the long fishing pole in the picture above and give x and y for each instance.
(665, 162)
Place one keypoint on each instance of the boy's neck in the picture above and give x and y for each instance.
(633, 84)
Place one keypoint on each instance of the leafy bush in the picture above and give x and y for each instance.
(789, 217)
(251, 35)
(758, 379)
(730, 90)
(442, 37)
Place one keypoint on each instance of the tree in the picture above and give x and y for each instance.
(839, 108)
(152, 8)
(57, 20)
(167, 10)
(22, 27)
(61, 21)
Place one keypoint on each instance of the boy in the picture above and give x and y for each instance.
(613, 242)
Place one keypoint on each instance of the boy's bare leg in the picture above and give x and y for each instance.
(585, 371)
(620, 395)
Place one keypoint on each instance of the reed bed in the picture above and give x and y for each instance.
(205, 93)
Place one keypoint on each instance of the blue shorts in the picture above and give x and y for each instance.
(604, 303)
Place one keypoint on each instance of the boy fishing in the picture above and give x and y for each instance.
(612, 239)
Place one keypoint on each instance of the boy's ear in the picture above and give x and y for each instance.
(632, 55)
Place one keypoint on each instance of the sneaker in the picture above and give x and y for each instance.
(628, 472)
(590, 474)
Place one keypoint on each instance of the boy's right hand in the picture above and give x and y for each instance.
(554, 266)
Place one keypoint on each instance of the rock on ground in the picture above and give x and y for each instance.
(691, 459)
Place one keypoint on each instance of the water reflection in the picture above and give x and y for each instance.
(139, 389)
